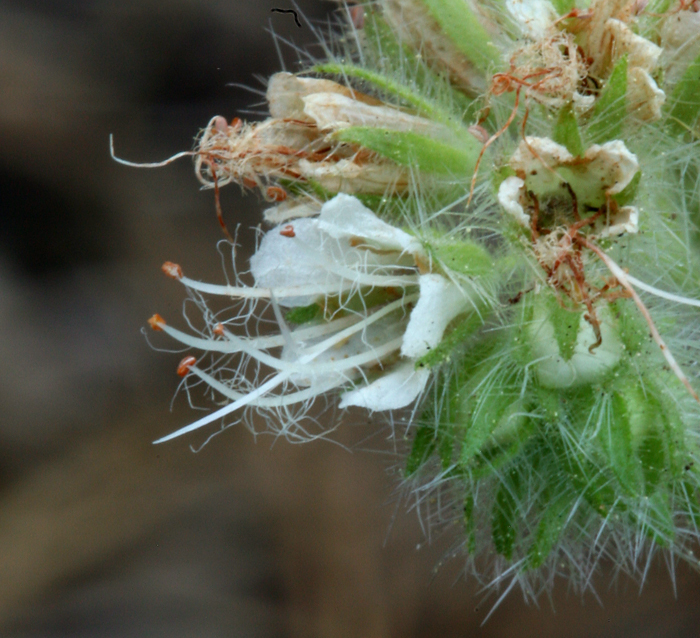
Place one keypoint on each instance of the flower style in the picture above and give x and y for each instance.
(375, 308)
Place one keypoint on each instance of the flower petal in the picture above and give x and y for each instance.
(345, 216)
(284, 260)
(439, 303)
(509, 194)
(394, 390)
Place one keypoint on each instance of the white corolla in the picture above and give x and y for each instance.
(371, 306)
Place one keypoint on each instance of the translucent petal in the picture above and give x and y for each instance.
(439, 303)
(394, 390)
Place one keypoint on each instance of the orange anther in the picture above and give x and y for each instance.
(172, 270)
(219, 330)
(275, 194)
(184, 366)
(156, 322)
(288, 231)
(236, 123)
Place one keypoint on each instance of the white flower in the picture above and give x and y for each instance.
(381, 310)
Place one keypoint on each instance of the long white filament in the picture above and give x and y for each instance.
(271, 384)
(277, 401)
(374, 355)
(235, 344)
(686, 301)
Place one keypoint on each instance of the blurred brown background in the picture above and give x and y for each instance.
(104, 534)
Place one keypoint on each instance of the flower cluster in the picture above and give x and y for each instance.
(489, 218)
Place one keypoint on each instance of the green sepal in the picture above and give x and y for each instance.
(388, 86)
(658, 523)
(564, 6)
(550, 528)
(496, 454)
(611, 107)
(566, 323)
(444, 350)
(470, 523)
(303, 314)
(407, 148)
(427, 441)
(464, 257)
(684, 103)
(459, 23)
(615, 436)
(597, 488)
(641, 438)
(689, 497)
(486, 412)
(503, 524)
(566, 131)
(424, 445)
(393, 58)
(446, 446)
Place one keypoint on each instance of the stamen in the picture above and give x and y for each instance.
(172, 270)
(271, 384)
(185, 365)
(354, 279)
(156, 322)
(278, 401)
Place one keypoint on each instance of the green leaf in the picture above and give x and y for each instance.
(611, 107)
(503, 525)
(303, 314)
(549, 529)
(462, 27)
(566, 131)
(423, 446)
(684, 102)
(411, 149)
